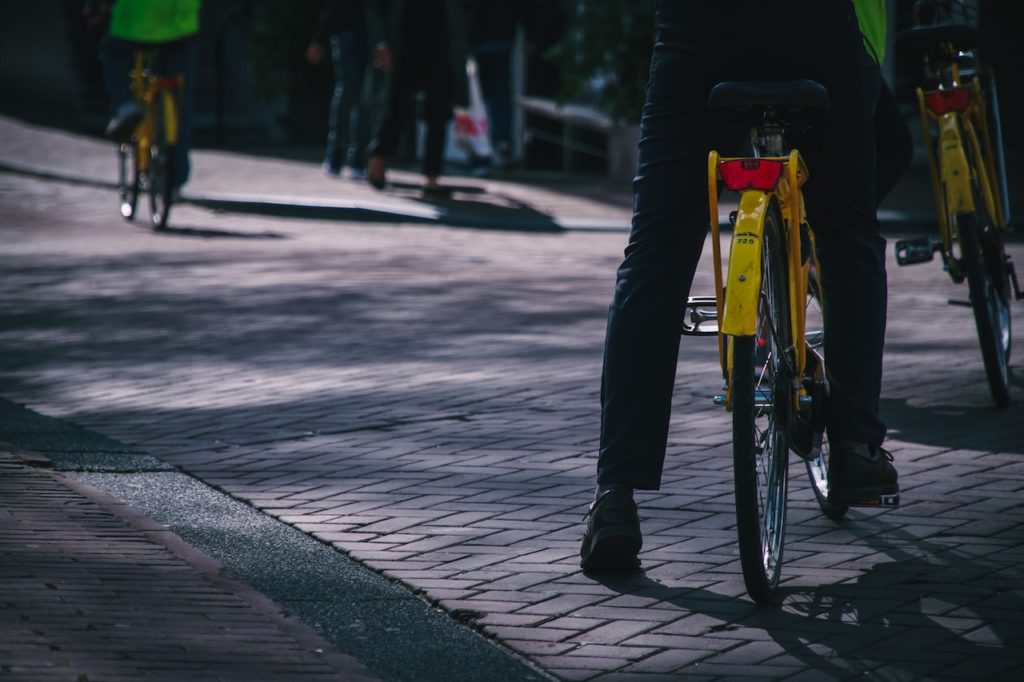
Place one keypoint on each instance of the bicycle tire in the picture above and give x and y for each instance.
(761, 399)
(161, 173)
(817, 466)
(989, 285)
(127, 180)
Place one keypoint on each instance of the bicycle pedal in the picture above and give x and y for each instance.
(914, 251)
(700, 316)
(959, 302)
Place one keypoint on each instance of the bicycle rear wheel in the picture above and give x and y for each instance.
(988, 281)
(817, 385)
(161, 172)
(127, 179)
(762, 395)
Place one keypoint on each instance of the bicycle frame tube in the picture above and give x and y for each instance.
(170, 116)
(144, 132)
(791, 200)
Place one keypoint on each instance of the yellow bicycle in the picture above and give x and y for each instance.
(773, 368)
(146, 163)
(962, 134)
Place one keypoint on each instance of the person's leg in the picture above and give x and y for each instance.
(494, 68)
(437, 111)
(894, 146)
(353, 72)
(116, 59)
(337, 120)
(841, 205)
(182, 57)
(400, 109)
(670, 221)
(433, 156)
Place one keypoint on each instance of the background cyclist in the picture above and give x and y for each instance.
(170, 26)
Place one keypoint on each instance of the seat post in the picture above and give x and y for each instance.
(767, 140)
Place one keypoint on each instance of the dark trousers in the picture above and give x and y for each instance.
(494, 65)
(348, 125)
(697, 47)
(422, 66)
(180, 57)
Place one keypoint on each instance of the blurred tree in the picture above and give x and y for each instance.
(280, 34)
(605, 55)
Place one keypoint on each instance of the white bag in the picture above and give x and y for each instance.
(472, 128)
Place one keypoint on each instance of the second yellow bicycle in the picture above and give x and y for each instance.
(146, 163)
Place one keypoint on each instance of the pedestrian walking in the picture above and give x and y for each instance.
(341, 28)
(423, 45)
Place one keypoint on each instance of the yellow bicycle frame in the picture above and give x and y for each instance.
(955, 164)
(152, 91)
(737, 295)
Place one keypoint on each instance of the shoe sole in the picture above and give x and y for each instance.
(866, 497)
(612, 550)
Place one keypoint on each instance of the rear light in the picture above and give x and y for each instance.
(741, 174)
(953, 99)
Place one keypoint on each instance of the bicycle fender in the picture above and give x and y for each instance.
(743, 283)
(170, 118)
(956, 173)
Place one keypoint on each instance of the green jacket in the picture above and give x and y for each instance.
(872, 20)
(154, 21)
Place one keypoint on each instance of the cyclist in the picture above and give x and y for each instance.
(696, 46)
(171, 26)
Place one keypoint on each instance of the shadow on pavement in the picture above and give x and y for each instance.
(912, 614)
(178, 231)
(950, 425)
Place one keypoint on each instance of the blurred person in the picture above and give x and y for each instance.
(172, 28)
(422, 44)
(342, 28)
(493, 30)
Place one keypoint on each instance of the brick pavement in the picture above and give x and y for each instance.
(93, 591)
(424, 399)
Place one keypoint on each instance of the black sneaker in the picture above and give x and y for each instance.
(125, 121)
(861, 475)
(612, 539)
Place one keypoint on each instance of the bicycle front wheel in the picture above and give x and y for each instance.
(762, 396)
(127, 179)
(988, 281)
(161, 172)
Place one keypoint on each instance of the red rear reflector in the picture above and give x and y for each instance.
(954, 99)
(741, 174)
